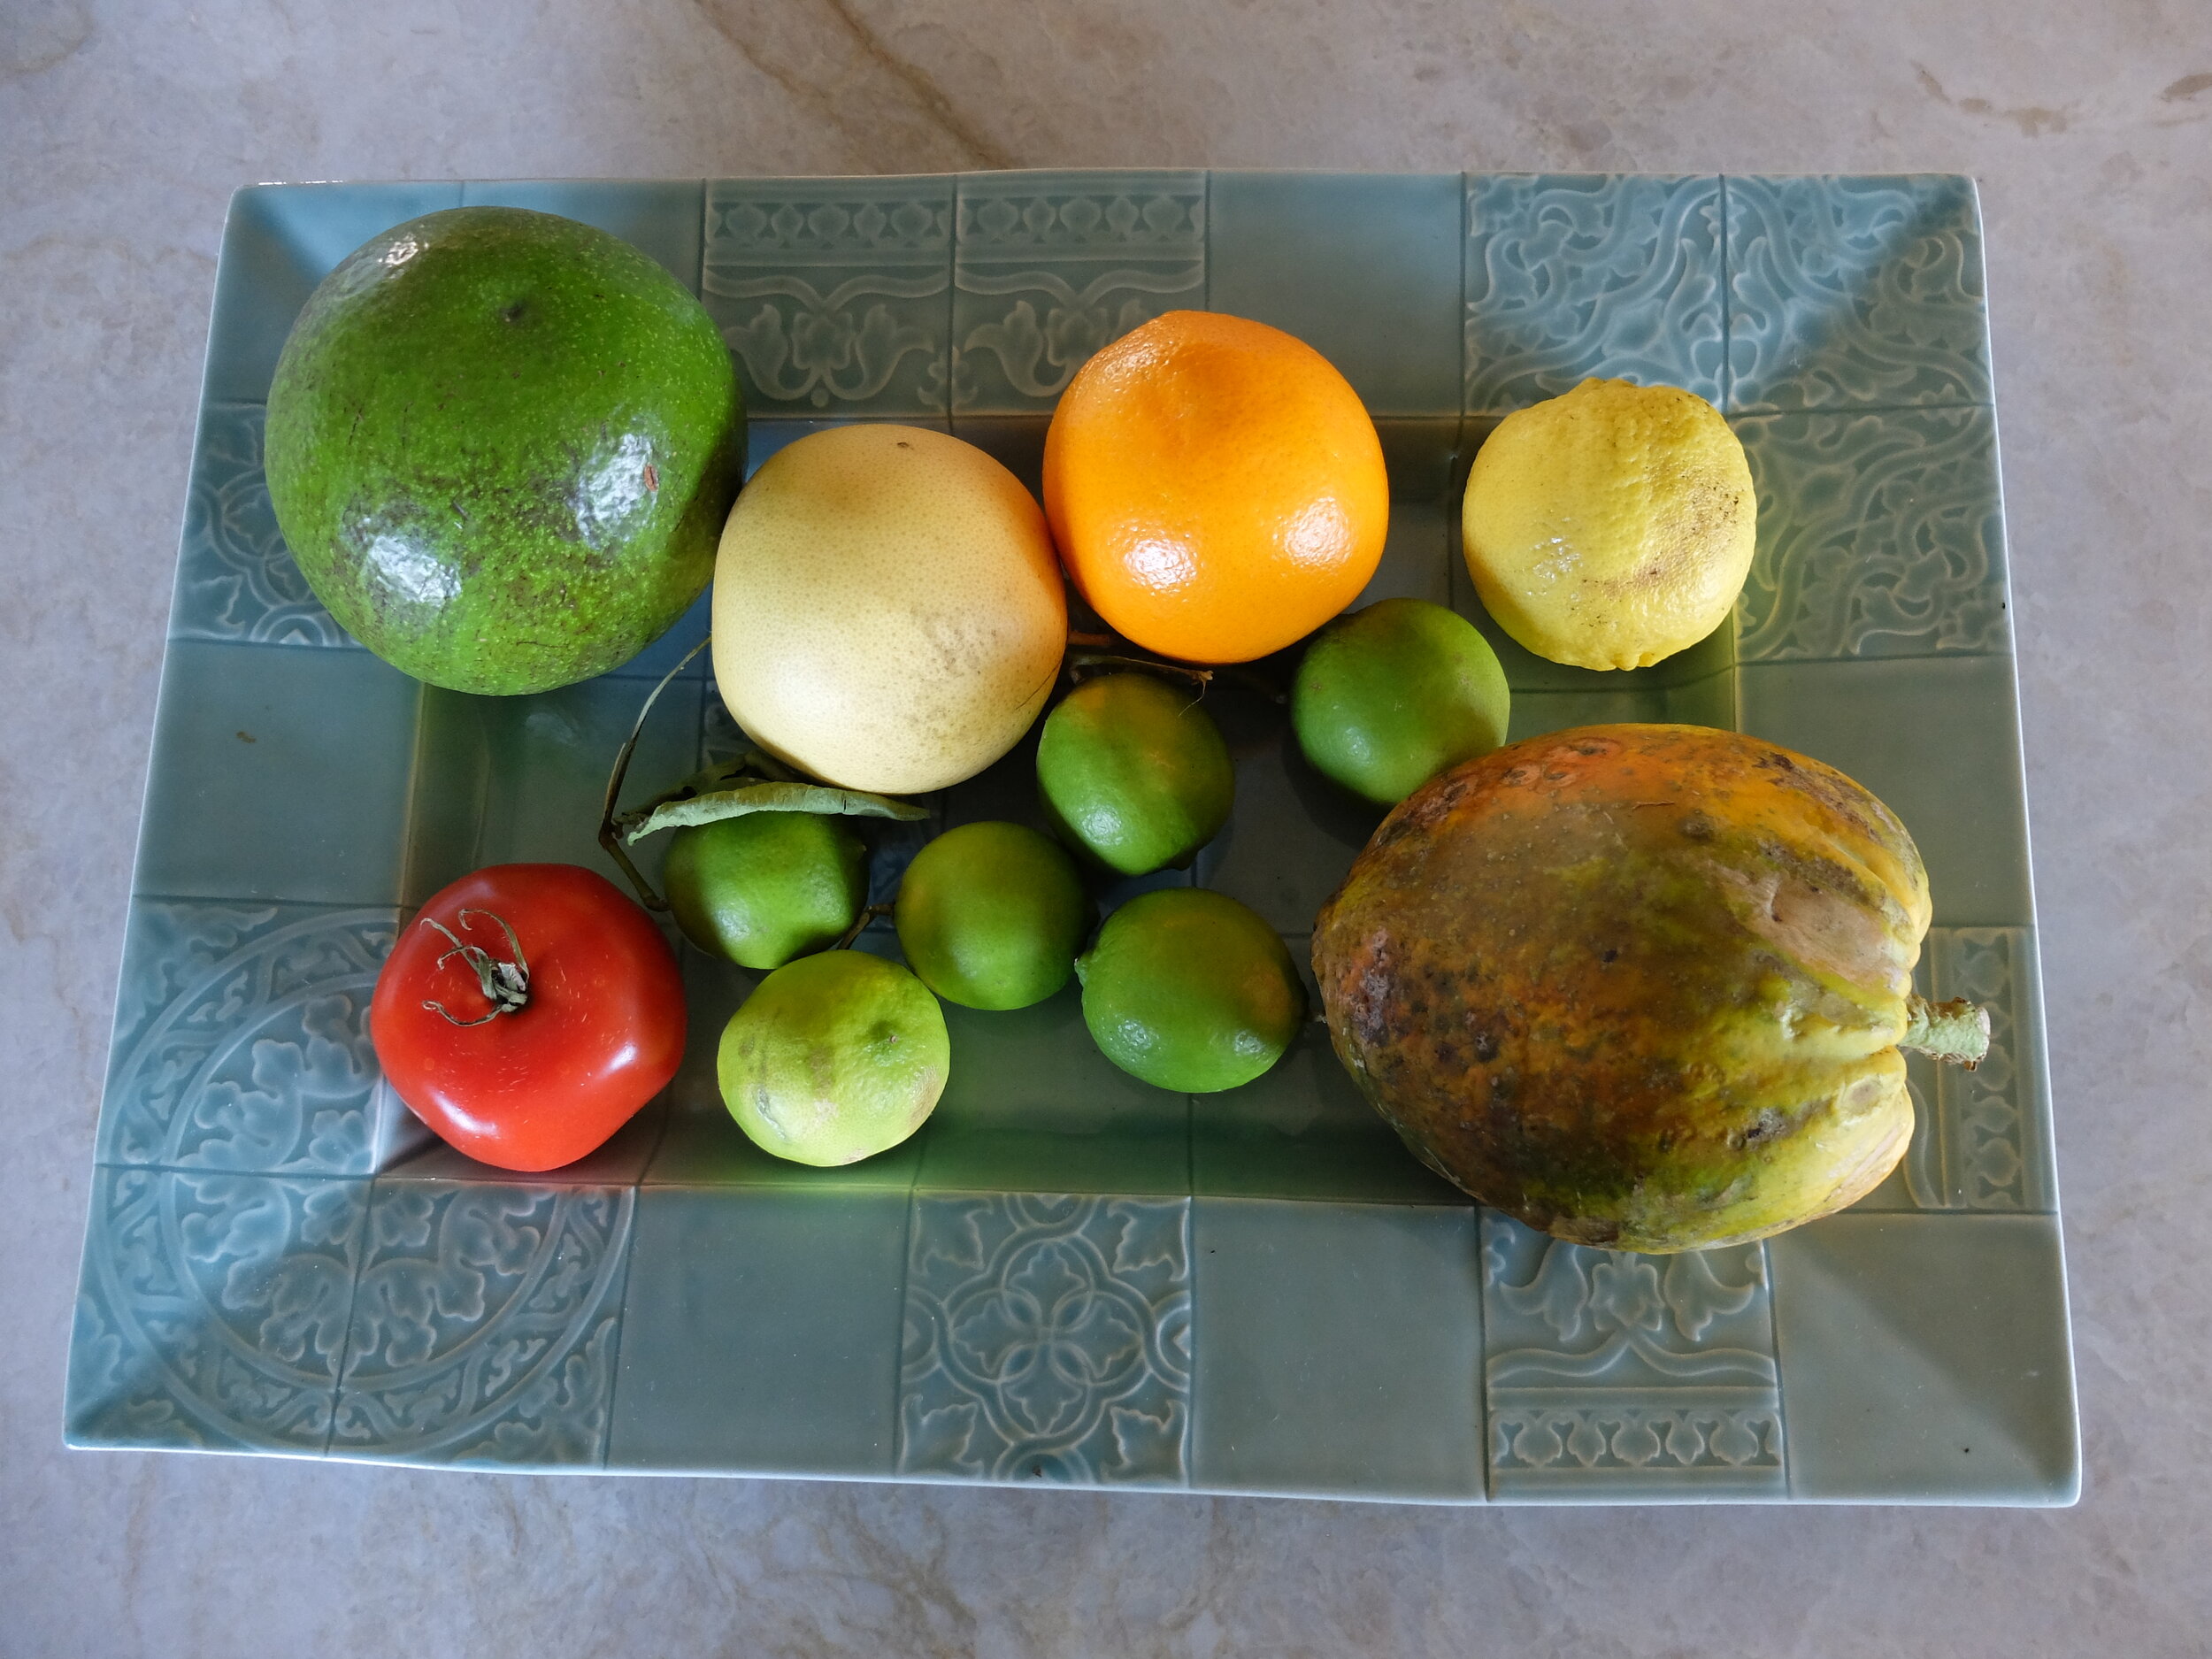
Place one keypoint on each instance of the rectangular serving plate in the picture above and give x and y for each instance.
(1069, 1276)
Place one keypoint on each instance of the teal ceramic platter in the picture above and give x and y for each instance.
(1069, 1276)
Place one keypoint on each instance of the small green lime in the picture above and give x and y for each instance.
(834, 1059)
(1389, 697)
(1135, 772)
(990, 914)
(767, 886)
(1190, 990)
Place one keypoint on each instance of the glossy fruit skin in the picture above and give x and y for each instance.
(501, 445)
(1135, 772)
(764, 888)
(1187, 989)
(889, 614)
(1215, 487)
(990, 915)
(1390, 696)
(1639, 985)
(834, 1059)
(601, 1034)
(1611, 526)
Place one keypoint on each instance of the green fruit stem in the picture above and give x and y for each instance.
(609, 837)
(868, 913)
(1957, 1030)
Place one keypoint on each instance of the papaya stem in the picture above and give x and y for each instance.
(609, 837)
(1957, 1030)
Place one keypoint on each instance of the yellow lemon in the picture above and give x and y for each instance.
(1610, 528)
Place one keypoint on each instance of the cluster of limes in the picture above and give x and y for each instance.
(1216, 494)
(840, 1053)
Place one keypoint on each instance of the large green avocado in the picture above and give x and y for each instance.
(501, 445)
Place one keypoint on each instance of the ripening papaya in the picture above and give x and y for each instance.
(1643, 987)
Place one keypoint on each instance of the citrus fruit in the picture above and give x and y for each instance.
(501, 445)
(1389, 697)
(1216, 489)
(1190, 990)
(834, 1059)
(1135, 772)
(989, 915)
(767, 886)
(1611, 527)
(887, 612)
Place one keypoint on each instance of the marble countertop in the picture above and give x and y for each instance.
(123, 131)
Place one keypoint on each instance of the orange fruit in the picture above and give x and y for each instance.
(1216, 489)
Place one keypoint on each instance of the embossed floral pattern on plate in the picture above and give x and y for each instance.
(236, 578)
(1978, 1140)
(835, 293)
(1879, 535)
(1051, 266)
(1612, 275)
(1863, 291)
(241, 1039)
(1603, 1370)
(485, 1323)
(213, 1310)
(1047, 1339)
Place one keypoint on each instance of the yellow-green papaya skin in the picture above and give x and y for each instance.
(1638, 985)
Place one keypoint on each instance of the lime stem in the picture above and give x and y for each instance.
(868, 913)
(609, 837)
(1957, 1030)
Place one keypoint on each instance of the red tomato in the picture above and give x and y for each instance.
(592, 1026)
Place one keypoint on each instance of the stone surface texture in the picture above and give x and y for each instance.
(124, 128)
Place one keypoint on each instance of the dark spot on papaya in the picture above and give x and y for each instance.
(1519, 776)
(1486, 1047)
(1558, 774)
(248, 737)
(514, 313)
(1608, 956)
(1698, 827)
(903, 444)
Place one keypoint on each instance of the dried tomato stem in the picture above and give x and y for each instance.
(609, 837)
(1956, 1031)
(505, 984)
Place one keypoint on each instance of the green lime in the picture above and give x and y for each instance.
(767, 886)
(1190, 990)
(1135, 772)
(834, 1059)
(990, 914)
(1389, 697)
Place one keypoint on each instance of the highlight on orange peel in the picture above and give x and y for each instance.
(1215, 487)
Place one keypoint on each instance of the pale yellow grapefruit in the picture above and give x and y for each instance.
(889, 614)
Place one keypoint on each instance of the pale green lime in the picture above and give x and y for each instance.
(834, 1059)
